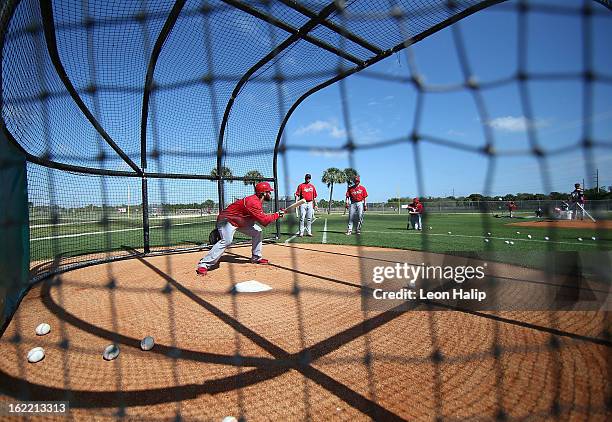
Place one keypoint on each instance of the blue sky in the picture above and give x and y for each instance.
(382, 110)
(185, 131)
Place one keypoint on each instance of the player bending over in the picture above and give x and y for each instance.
(356, 203)
(242, 215)
(416, 209)
(308, 192)
(577, 200)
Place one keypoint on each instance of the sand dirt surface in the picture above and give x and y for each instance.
(304, 350)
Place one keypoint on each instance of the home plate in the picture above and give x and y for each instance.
(251, 286)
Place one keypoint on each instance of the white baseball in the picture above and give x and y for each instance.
(111, 352)
(43, 329)
(36, 355)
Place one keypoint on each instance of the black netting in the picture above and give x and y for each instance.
(141, 120)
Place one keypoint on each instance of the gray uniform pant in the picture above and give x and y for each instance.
(227, 230)
(415, 220)
(355, 214)
(306, 213)
(577, 208)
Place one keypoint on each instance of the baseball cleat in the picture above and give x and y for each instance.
(309, 235)
(260, 261)
(201, 270)
(358, 233)
(348, 233)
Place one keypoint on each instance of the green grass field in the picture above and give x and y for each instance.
(467, 234)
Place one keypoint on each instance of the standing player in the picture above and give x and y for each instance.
(511, 207)
(241, 215)
(416, 209)
(577, 199)
(308, 192)
(356, 199)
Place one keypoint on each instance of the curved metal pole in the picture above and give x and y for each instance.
(46, 10)
(372, 61)
(307, 27)
(159, 43)
(146, 95)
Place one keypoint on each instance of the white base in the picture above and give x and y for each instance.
(251, 286)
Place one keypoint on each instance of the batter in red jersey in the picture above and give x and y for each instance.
(416, 210)
(243, 215)
(356, 203)
(308, 192)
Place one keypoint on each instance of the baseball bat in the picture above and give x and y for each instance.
(293, 206)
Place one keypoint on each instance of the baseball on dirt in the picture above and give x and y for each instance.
(43, 329)
(111, 352)
(36, 355)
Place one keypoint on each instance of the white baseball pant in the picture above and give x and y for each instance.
(227, 230)
(355, 213)
(306, 214)
(415, 220)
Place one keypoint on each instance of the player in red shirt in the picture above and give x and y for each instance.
(416, 209)
(511, 207)
(356, 203)
(308, 192)
(242, 215)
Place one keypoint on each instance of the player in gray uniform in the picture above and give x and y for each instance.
(308, 192)
(577, 200)
(356, 203)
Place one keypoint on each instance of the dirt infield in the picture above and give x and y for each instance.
(567, 224)
(305, 350)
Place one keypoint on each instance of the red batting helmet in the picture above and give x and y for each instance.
(262, 187)
(415, 199)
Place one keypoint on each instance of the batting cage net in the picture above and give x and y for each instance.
(128, 126)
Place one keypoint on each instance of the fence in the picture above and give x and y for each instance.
(598, 207)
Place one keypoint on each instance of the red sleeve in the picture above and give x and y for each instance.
(365, 193)
(315, 192)
(298, 191)
(253, 206)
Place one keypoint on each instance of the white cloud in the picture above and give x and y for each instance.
(330, 127)
(329, 153)
(515, 124)
(453, 132)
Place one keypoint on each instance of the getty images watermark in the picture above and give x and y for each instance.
(408, 275)
(395, 280)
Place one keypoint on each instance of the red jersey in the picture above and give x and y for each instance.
(416, 207)
(242, 213)
(306, 191)
(357, 193)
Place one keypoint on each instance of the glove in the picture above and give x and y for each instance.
(346, 206)
(281, 212)
(365, 208)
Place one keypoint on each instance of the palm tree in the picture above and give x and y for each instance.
(226, 173)
(252, 177)
(349, 174)
(330, 176)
